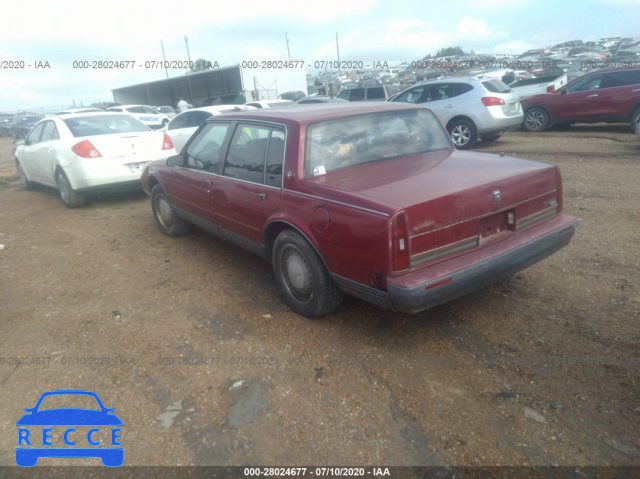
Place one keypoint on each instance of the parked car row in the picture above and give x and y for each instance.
(305, 186)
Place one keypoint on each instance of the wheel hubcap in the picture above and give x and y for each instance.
(460, 135)
(63, 187)
(23, 177)
(165, 213)
(297, 274)
(535, 120)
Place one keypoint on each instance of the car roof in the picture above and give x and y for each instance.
(310, 113)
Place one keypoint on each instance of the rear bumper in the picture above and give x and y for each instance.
(451, 279)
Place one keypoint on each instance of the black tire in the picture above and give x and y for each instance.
(167, 220)
(463, 134)
(26, 184)
(302, 278)
(70, 198)
(493, 137)
(536, 119)
(635, 119)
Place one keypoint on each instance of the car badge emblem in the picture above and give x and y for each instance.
(496, 196)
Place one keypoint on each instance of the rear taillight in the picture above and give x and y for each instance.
(399, 243)
(85, 149)
(492, 101)
(551, 88)
(559, 194)
(167, 144)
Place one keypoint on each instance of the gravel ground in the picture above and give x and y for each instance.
(188, 340)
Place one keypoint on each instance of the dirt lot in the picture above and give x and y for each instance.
(188, 340)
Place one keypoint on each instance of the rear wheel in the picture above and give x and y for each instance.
(302, 277)
(168, 221)
(463, 134)
(70, 198)
(536, 119)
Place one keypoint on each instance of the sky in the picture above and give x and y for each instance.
(44, 44)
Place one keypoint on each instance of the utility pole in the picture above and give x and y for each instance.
(186, 42)
(164, 59)
(287, 39)
(338, 49)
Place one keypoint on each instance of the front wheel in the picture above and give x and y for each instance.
(168, 221)
(302, 277)
(70, 197)
(536, 119)
(463, 134)
(635, 119)
(493, 137)
(26, 184)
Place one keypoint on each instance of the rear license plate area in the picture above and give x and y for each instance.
(496, 225)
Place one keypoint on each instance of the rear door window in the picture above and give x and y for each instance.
(375, 93)
(621, 78)
(414, 95)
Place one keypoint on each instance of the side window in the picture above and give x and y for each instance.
(461, 88)
(357, 94)
(621, 78)
(146, 109)
(34, 135)
(179, 121)
(247, 153)
(411, 96)
(197, 118)
(135, 109)
(203, 153)
(375, 93)
(49, 132)
(275, 158)
(436, 92)
(591, 82)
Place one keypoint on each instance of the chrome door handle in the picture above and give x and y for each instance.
(208, 182)
(262, 196)
(592, 96)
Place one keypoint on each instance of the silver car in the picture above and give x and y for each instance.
(470, 108)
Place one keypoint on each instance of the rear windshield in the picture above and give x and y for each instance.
(496, 86)
(104, 125)
(347, 142)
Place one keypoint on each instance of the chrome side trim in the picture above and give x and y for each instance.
(362, 291)
(243, 242)
(361, 208)
(448, 250)
(534, 218)
(196, 220)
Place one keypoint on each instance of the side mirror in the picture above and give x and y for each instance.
(176, 160)
(563, 91)
(19, 141)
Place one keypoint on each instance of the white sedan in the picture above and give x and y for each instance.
(270, 103)
(144, 114)
(186, 123)
(83, 153)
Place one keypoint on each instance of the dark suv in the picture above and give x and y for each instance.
(606, 95)
(369, 93)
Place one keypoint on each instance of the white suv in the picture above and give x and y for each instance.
(144, 114)
(470, 108)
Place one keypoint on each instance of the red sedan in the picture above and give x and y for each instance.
(370, 200)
